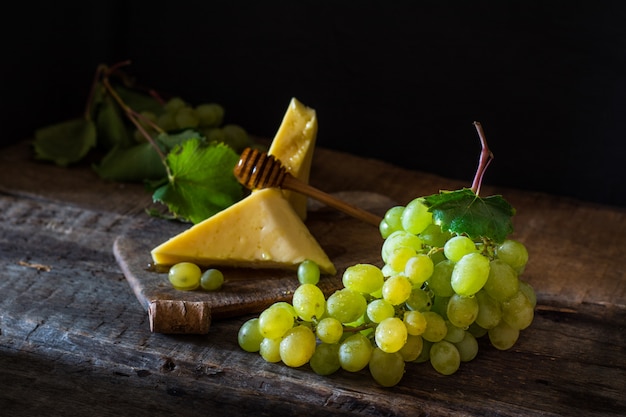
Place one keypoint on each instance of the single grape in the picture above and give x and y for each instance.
(528, 290)
(236, 137)
(270, 350)
(325, 359)
(212, 279)
(274, 321)
(391, 334)
(185, 276)
(518, 311)
(174, 104)
(419, 300)
(355, 352)
(386, 368)
(309, 302)
(455, 334)
(457, 247)
(363, 278)
(440, 306)
(186, 118)
(462, 311)
(415, 323)
(435, 237)
(392, 220)
(249, 336)
(419, 268)
(424, 355)
(397, 289)
(476, 330)
(470, 274)
(329, 330)
(467, 347)
(503, 336)
(436, 328)
(440, 282)
(167, 122)
(297, 346)
(399, 256)
(412, 348)
(502, 282)
(346, 305)
(379, 309)
(308, 272)
(210, 114)
(397, 239)
(513, 253)
(445, 357)
(416, 217)
(489, 310)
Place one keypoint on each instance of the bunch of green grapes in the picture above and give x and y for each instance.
(206, 118)
(436, 293)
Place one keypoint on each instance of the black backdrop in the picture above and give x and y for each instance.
(399, 81)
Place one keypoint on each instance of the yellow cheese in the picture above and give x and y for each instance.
(260, 231)
(293, 145)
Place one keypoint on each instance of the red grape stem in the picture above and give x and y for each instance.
(486, 156)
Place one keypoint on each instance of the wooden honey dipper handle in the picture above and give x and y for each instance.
(257, 169)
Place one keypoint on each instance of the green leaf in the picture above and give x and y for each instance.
(139, 101)
(134, 164)
(463, 212)
(65, 143)
(202, 182)
(168, 141)
(111, 125)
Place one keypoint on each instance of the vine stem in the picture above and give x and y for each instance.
(486, 156)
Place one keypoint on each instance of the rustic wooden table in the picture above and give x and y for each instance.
(74, 340)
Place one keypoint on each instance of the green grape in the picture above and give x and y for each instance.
(397, 239)
(436, 328)
(391, 334)
(236, 137)
(346, 305)
(392, 221)
(415, 322)
(440, 280)
(186, 117)
(503, 336)
(274, 321)
(355, 352)
(470, 274)
(424, 355)
(214, 135)
(167, 122)
(249, 336)
(528, 290)
(513, 253)
(419, 268)
(185, 276)
(457, 247)
(462, 311)
(419, 300)
(518, 311)
(467, 347)
(325, 359)
(489, 310)
(387, 368)
(210, 114)
(212, 279)
(308, 272)
(476, 330)
(379, 309)
(440, 306)
(445, 357)
(412, 348)
(435, 237)
(270, 350)
(286, 306)
(363, 278)
(297, 346)
(416, 217)
(174, 104)
(399, 256)
(455, 334)
(397, 289)
(329, 330)
(309, 302)
(502, 282)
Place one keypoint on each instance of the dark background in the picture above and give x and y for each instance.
(398, 81)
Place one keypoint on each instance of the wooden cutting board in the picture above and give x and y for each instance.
(347, 241)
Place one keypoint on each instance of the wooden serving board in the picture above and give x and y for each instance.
(347, 241)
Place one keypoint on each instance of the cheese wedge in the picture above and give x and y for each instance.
(293, 145)
(260, 231)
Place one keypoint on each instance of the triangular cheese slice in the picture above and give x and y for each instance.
(293, 145)
(260, 231)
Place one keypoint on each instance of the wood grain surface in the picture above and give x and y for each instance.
(74, 340)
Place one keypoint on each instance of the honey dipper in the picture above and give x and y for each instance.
(257, 169)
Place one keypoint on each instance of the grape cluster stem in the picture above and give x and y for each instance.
(486, 156)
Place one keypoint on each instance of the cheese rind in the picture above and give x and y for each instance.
(260, 231)
(293, 145)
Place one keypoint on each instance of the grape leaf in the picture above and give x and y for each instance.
(111, 126)
(136, 163)
(462, 211)
(202, 182)
(65, 143)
